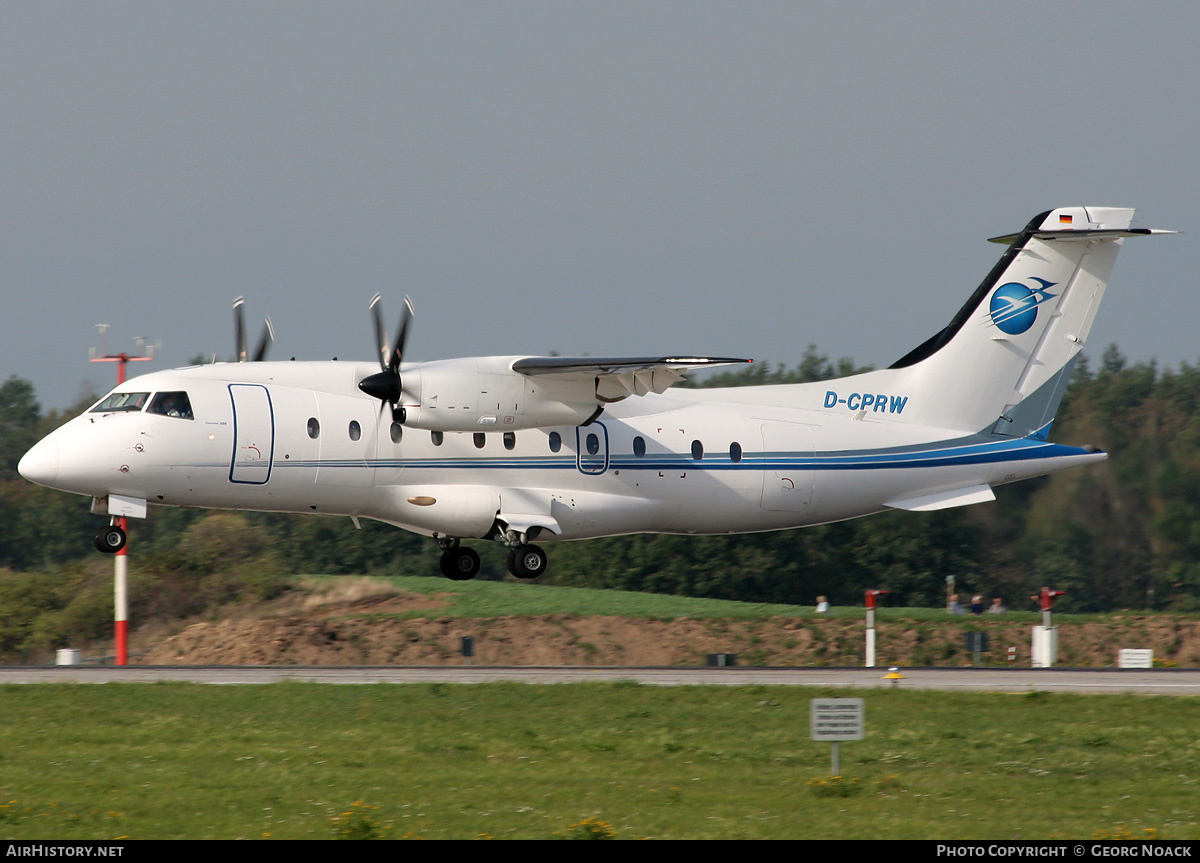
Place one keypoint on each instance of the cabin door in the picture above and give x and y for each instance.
(253, 434)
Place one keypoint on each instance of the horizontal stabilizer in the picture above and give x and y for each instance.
(944, 499)
(1097, 234)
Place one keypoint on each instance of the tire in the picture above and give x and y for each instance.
(460, 564)
(110, 539)
(527, 561)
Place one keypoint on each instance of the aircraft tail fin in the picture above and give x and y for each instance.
(1003, 362)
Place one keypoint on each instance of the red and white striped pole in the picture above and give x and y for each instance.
(121, 559)
(121, 597)
(870, 603)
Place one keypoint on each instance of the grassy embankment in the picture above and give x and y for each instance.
(788, 635)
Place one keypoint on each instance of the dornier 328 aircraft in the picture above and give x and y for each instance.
(518, 449)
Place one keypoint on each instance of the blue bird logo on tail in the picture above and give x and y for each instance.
(1014, 306)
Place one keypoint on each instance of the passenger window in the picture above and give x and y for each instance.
(172, 404)
(697, 450)
(314, 428)
(355, 430)
(397, 432)
(437, 437)
(480, 439)
(510, 440)
(555, 441)
(117, 402)
(735, 451)
(639, 446)
(593, 444)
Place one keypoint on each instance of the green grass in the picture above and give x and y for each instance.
(517, 761)
(505, 598)
(502, 599)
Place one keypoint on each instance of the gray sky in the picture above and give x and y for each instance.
(606, 178)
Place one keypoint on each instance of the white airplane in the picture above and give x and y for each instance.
(517, 449)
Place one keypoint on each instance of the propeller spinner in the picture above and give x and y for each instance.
(385, 385)
(239, 325)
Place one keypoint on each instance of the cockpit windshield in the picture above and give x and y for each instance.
(116, 402)
(171, 404)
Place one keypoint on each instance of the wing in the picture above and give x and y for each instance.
(618, 377)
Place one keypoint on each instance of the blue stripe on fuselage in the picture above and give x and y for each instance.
(935, 456)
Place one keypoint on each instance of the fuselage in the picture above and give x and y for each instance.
(299, 437)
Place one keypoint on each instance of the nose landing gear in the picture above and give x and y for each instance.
(110, 539)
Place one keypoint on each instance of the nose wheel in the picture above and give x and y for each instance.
(109, 539)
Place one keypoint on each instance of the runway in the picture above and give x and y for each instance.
(1078, 680)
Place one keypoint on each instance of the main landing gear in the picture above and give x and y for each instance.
(460, 563)
(110, 539)
(526, 561)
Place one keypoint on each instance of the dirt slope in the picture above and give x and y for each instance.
(346, 627)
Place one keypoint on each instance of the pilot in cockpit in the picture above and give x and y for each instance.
(172, 404)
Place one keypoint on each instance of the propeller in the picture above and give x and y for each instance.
(385, 385)
(239, 324)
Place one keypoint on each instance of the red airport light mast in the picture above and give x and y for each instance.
(121, 559)
(1045, 637)
(870, 602)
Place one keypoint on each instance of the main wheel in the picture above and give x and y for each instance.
(460, 564)
(527, 561)
(109, 539)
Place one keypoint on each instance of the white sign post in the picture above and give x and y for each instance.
(835, 720)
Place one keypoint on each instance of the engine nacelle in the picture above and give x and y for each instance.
(484, 394)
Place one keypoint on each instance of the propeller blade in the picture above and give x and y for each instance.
(385, 384)
(380, 339)
(264, 341)
(239, 328)
(402, 335)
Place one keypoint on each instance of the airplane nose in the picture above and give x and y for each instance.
(40, 464)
